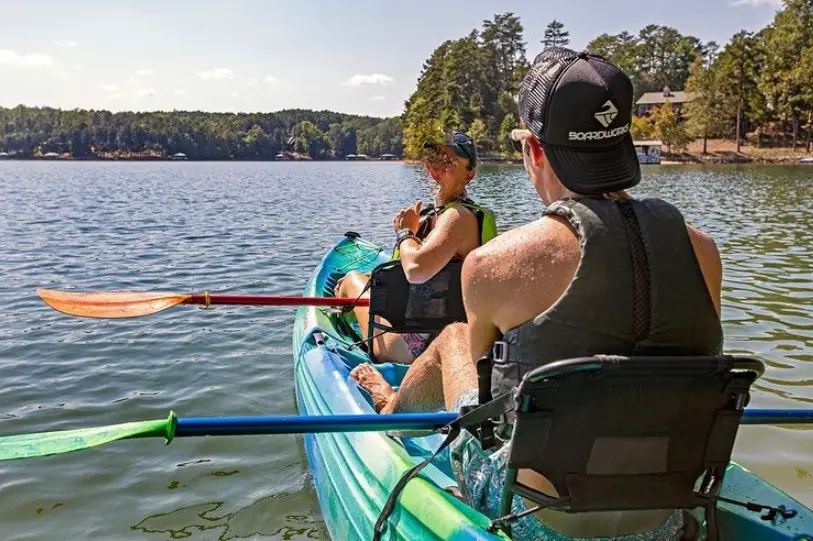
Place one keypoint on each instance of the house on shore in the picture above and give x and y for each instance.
(388, 157)
(178, 156)
(676, 98)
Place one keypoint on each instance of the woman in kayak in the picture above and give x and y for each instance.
(426, 241)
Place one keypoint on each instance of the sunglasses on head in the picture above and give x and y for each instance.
(461, 139)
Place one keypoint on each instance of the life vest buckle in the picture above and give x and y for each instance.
(499, 352)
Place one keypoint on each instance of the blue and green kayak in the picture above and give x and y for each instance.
(354, 473)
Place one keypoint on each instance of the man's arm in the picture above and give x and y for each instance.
(710, 264)
(421, 261)
(479, 304)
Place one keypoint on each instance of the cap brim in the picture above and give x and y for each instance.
(596, 171)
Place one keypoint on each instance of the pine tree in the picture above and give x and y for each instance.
(704, 112)
(737, 66)
(556, 35)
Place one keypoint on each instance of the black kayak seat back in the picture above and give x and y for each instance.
(415, 308)
(616, 433)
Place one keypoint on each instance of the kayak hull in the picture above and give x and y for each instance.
(354, 473)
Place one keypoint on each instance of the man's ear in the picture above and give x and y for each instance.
(537, 154)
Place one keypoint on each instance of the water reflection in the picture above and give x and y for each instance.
(264, 519)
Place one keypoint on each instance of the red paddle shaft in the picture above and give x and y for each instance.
(266, 300)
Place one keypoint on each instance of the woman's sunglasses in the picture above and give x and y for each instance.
(517, 137)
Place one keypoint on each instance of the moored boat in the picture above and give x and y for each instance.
(354, 473)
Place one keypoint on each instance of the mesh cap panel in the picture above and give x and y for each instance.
(539, 82)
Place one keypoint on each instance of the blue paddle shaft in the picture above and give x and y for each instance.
(293, 424)
(225, 426)
(777, 417)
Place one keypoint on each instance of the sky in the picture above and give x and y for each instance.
(354, 56)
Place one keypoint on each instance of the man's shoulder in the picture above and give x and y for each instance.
(532, 243)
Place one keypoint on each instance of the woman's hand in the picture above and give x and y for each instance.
(408, 218)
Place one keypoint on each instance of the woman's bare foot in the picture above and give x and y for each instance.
(375, 384)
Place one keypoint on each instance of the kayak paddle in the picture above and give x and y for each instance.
(123, 304)
(66, 441)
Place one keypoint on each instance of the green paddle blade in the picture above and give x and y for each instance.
(67, 441)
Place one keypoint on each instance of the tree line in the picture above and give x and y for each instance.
(470, 84)
(33, 131)
(758, 86)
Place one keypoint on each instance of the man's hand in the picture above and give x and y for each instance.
(408, 218)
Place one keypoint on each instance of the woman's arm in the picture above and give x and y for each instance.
(422, 260)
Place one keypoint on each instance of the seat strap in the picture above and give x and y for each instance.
(472, 418)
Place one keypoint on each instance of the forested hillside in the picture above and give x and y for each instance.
(31, 131)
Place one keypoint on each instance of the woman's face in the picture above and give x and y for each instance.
(450, 171)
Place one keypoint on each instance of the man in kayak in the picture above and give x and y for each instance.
(427, 240)
(599, 273)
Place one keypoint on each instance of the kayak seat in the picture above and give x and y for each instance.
(615, 433)
(414, 308)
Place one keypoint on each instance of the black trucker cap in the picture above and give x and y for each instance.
(579, 107)
(459, 143)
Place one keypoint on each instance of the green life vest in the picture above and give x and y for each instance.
(486, 221)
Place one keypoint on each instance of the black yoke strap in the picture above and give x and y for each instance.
(641, 293)
(472, 418)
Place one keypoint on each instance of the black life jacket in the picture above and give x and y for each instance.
(638, 290)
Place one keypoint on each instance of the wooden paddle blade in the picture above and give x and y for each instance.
(113, 304)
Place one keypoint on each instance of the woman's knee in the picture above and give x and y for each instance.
(355, 275)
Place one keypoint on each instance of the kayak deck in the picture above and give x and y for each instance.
(354, 473)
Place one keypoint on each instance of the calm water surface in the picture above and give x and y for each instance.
(261, 228)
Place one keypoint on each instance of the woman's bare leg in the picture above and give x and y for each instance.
(437, 378)
(387, 347)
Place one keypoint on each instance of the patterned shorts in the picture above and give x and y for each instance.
(480, 475)
(417, 342)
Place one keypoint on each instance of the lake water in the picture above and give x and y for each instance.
(261, 228)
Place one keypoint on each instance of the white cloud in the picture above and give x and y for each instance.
(252, 82)
(216, 73)
(179, 92)
(377, 98)
(270, 79)
(235, 94)
(27, 60)
(133, 79)
(148, 91)
(776, 3)
(372, 79)
(77, 67)
(142, 72)
(117, 96)
(105, 87)
(65, 43)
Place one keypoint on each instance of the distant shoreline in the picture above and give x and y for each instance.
(161, 159)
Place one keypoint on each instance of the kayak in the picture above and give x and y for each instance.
(354, 472)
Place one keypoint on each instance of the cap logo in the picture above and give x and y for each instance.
(606, 114)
